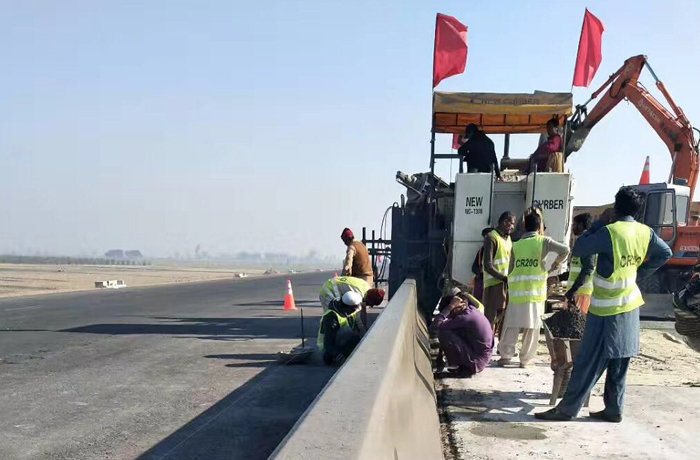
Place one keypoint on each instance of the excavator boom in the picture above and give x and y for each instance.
(673, 128)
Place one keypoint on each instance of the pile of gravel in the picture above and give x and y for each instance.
(567, 324)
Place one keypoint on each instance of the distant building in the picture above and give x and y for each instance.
(134, 255)
(116, 254)
(120, 254)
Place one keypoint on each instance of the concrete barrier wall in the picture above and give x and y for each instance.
(381, 403)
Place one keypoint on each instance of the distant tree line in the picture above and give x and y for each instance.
(60, 260)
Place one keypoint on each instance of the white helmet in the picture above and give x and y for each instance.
(352, 299)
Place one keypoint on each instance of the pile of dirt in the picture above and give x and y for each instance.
(567, 324)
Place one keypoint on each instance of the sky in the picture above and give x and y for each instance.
(272, 125)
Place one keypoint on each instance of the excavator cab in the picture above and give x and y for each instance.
(665, 208)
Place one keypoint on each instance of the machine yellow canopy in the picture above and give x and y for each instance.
(499, 113)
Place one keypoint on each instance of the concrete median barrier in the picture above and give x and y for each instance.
(381, 403)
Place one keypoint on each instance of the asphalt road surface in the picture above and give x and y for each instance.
(170, 372)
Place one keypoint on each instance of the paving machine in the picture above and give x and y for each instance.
(436, 228)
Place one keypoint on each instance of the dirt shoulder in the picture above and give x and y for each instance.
(22, 280)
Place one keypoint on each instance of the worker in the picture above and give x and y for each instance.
(464, 333)
(627, 251)
(527, 290)
(478, 267)
(497, 248)
(552, 145)
(581, 268)
(357, 262)
(341, 329)
(334, 288)
(478, 152)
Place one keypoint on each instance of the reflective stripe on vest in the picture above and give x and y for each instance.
(527, 283)
(574, 272)
(619, 293)
(334, 288)
(344, 321)
(501, 261)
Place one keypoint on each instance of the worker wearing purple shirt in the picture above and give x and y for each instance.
(552, 145)
(465, 334)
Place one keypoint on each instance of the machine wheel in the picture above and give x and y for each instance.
(651, 285)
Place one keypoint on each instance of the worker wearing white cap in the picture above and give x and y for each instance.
(341, 329)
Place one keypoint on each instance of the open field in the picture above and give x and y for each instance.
(21, 279)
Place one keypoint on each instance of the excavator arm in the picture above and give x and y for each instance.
(673, 128)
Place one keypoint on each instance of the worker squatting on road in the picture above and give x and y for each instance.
(527, 290)
(335, 288)
(464, 333)
(497, 249)
(357, 262)
(581, 268)
(626, 250)
(341, 329)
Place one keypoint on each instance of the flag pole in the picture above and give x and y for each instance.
(580, 37)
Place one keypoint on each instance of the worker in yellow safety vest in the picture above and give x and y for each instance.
(341, 329)
(497, 248)
(627, 251)
(335, 288)
(581, 268)
(527, 290)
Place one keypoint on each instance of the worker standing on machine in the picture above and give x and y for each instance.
(581, 268)
(497, 249)
(627, 250)
(357, 262)
(527, 290)
(478, 152)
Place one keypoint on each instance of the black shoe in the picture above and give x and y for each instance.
(606, 417)
(553, 415)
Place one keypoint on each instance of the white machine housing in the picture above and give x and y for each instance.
(479, 201)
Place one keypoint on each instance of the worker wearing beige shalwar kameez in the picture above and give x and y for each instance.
(528, 290)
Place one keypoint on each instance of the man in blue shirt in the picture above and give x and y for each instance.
(612, 330)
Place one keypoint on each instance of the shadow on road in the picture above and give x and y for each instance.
(210, 328)
(278, 303)
(249, 422)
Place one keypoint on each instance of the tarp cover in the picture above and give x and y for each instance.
(499, 112)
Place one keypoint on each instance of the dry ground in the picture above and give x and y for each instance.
(20, 279)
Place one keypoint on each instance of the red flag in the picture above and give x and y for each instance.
(455, 141)
(450, 54)
(590, 52)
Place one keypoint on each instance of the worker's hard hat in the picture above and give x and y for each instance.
(352, 299)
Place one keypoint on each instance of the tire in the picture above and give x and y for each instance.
(651, 285)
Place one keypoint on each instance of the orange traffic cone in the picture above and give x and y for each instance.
(645, 174)
(289, 298)
(335, 275)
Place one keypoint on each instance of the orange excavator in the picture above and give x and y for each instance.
(667, 205)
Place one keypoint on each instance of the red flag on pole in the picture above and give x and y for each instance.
(590, 52)
(450, 54)
(455, 141)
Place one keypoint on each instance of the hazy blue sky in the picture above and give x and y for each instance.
(271, 125)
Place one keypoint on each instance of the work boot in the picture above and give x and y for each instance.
(553, 415)
(602, 415)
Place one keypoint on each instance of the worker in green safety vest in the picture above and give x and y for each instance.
(581, 268)
(627, 251)
(336, 287)
(497, 248)
(341, 329)
(527, 290)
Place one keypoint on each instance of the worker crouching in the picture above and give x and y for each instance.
(341, 329)
(465, 335)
